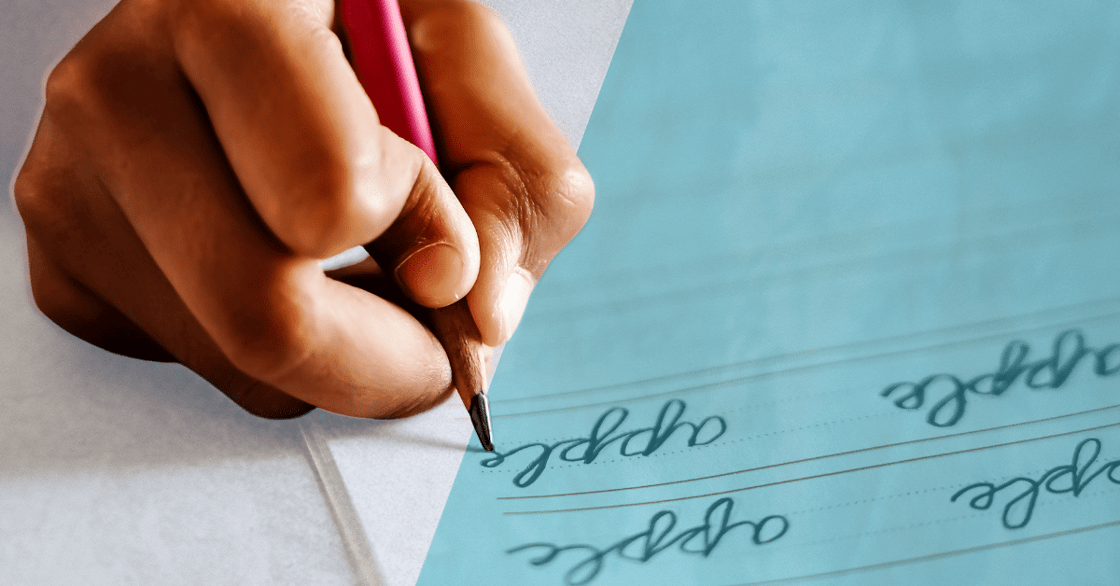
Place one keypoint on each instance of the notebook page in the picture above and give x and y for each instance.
(845, 312)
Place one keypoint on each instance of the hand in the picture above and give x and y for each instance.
(195, 160)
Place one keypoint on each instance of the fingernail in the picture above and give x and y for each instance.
(514, 298)
(431, 274)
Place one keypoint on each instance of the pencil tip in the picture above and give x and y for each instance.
(480, 419)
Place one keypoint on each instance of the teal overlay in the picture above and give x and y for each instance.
(847, 311)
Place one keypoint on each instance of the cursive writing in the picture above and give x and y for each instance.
(1051, 372)
(639, 442)
(659, 537)
(1069, 478)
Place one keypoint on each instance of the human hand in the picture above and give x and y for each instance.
(195, 161)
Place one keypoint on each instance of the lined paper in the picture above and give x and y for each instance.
(846, 311)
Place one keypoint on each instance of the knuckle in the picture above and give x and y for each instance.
(424, 194)
(199, 19)
(103, 65)
(271, 333)
(435, 29)
(323, 38)
(571, 193)
(68, 89)
(43, 209)
(199, 23)
(28, 197)
(197, 26)
(324, 214)
(473, 13)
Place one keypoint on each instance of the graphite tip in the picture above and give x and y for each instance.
(480, 419)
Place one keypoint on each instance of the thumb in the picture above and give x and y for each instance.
(432, 247)
(522, 223)
(501, 293)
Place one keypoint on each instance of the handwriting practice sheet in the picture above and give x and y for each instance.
(847, 312)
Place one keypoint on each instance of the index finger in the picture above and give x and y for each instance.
(147, 144)
(308, 148)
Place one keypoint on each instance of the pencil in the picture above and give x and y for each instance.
(383, 62)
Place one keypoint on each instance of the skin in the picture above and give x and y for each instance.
(197, 158)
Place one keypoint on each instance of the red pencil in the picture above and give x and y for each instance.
(383, 61)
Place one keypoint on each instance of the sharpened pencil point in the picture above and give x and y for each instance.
(480, 419)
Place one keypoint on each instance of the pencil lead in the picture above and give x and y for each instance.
(480, 419)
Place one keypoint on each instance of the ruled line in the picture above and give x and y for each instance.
(930, 557)
(816, 476)
(811, 459)
(750, 271)
(810, 367)
(1010, 320)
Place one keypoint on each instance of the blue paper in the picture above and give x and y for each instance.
(847, 311)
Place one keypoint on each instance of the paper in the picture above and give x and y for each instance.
(847, 311)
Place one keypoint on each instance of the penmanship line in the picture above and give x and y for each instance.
(1093, 229)
(816, 476)
(931, 557)
(812, 459)
(781, 357)
(810, 367)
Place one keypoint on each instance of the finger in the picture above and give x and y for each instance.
(367, 275)
(516, 176)
(83, 314)
(502, 290)
(275, 316)
(432, 246)
(76, 264)
(308, 149)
